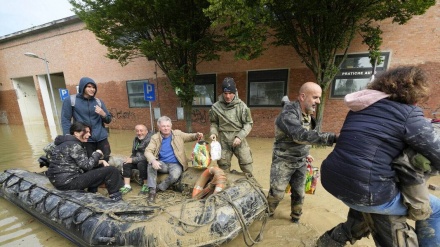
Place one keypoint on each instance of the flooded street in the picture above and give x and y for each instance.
(21, 146)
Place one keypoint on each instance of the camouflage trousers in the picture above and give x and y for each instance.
(282, 173)
(242, 152)
(387, 231)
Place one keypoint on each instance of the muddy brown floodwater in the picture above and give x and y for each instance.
(20, 146)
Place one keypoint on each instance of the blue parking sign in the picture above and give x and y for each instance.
(149, 94)
(64, 93)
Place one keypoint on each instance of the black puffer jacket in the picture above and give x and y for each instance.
(139, 146)
(68, 159)
(359, 169)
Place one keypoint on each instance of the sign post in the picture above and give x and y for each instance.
(150, 95)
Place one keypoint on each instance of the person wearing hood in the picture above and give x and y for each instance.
(90, 110)
(294, 134)
(70, 168)
(231, 122)
(384, 120)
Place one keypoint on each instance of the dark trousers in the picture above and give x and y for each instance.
(103, 145)
(109, 175)
(141, 166)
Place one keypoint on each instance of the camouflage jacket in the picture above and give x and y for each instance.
(68, 159)
(292, 139)
(233, 117)
(139, 146)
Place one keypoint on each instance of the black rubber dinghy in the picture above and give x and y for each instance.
(92, 219)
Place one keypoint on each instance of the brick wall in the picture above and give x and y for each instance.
(75, 52)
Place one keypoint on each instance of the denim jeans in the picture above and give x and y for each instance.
(174, 170)
(428, 231)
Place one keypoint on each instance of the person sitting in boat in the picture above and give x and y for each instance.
(71, 169)
(166, 154)
(137, 160)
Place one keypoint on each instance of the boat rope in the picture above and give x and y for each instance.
(246, 233)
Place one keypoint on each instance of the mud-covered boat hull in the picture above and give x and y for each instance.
(92, 219)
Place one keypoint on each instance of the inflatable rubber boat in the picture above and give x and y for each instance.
(176, 219)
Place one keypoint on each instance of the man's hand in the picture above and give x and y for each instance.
(199, 135)
(310, 158)
(100, 111)
(104, 163)
(237, 142)
(129, 160)
(156, 165)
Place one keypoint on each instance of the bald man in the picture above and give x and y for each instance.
(137, 159)
(294, 136)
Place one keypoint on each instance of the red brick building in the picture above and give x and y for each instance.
(73, 52)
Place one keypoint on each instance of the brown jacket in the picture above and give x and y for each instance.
(177, 143)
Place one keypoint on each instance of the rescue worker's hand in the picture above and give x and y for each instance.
(310, 158)
(213, 137)
(128, 160)
(156, 165)
(236, 142)
(100, 111)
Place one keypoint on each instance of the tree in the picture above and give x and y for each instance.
(174, 33)
(316, 29)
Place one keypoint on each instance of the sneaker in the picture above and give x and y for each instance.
(124, 190)
(116, 197)
(144, 190)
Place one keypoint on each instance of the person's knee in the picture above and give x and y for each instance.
(175, 175)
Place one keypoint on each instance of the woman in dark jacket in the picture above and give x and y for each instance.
(71, 169)
(383, 121)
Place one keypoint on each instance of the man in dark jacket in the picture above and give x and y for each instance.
(137, 160)
(90, 110)
(294, 134)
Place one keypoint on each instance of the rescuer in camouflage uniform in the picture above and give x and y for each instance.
(231, 121)
(294, 134)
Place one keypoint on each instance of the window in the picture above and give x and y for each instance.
(205, 90)
(355, 73)
(267, 87)
(135, 91)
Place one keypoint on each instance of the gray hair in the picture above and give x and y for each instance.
(164, 119)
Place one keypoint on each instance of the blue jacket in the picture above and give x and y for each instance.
(84, 111)
(359, 169)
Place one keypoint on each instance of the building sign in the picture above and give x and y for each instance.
(355, 73)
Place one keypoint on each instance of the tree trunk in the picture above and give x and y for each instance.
(187, 111)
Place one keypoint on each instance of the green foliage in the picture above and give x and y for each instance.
(316, 29)
(174, 33)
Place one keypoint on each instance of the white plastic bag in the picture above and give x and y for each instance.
(216, 150)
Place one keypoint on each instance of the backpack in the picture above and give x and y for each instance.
(73, 99)
(44, 159)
